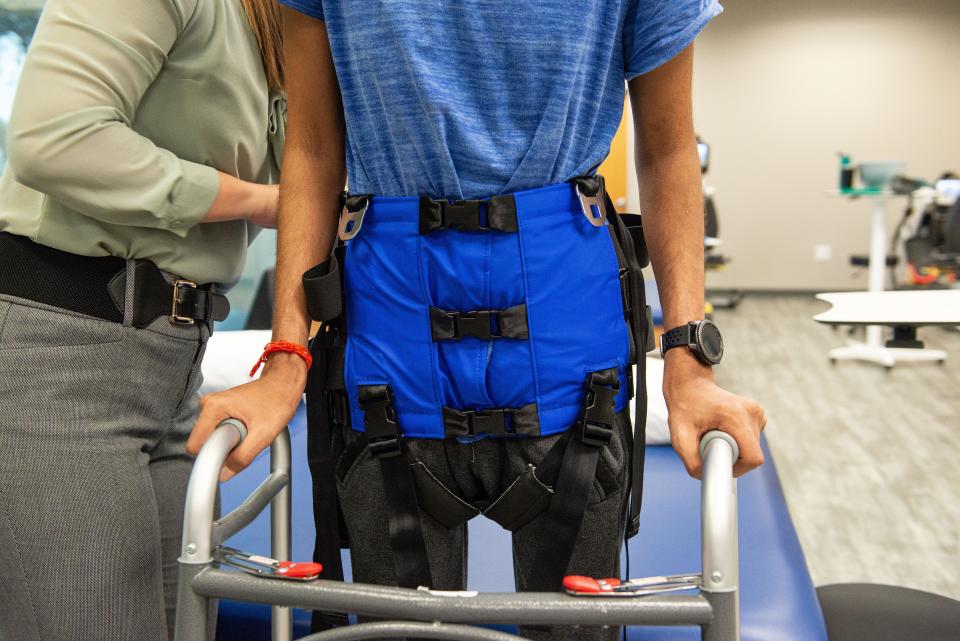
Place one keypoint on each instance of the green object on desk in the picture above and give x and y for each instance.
(861, 191)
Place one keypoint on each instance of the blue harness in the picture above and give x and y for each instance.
(482, 332)
(517, 316)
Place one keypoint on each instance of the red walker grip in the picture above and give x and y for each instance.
(577, 583)
(299, 569)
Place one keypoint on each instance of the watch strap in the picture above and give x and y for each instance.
(676, 337)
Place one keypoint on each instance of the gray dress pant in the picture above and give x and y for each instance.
(94, 418)
(478, 473)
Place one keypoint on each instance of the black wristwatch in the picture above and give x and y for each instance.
(702, 337)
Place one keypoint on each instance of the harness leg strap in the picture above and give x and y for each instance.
(403, 513)
(575, 482)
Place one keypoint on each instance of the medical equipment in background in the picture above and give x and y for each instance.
(426, 613)
(713, 260)
(928, 232)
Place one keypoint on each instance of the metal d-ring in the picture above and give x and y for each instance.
(587, 203)
(351, 219)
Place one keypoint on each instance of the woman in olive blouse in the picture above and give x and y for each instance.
(144, 149)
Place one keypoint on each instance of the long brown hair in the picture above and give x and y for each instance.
(264, 18)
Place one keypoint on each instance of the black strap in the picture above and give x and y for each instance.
(386, 445)
(523, 421)
(634, 226)
(575, 481)
(484, 324)
(324, 440)
(321, 284)
(154, 296)
(634, 251)
(96, 286)
(327, 413)
(468, 215)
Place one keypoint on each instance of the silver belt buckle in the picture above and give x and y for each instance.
(175, 316)
(351, 221)
(587, 203)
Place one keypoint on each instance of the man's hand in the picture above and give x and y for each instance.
(265, 406)
(696, 405)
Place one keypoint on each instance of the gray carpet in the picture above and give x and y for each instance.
(869, 459)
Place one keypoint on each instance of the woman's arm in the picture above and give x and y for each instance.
(70, 133)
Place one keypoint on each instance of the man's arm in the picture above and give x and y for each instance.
(313, 176)
(671, 199)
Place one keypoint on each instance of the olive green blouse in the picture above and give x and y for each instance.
(125, 110)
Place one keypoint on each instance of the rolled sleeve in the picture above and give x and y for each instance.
(190, 198)
(70, 133)
(312, 8)
(655, 31)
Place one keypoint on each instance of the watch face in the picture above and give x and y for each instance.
(710, 342)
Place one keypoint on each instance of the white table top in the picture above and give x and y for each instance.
(926, 307)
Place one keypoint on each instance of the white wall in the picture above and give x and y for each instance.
(781, 86)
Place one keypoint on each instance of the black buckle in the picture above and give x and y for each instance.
(478, 324)
(461, 214)
(380, 421)
(493, 422)
(175, 316)
(597, 422)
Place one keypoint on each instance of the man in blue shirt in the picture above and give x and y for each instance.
(470, 100)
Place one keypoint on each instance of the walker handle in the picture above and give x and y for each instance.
(200, 532)
(718, 512)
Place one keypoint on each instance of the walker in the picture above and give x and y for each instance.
(431, 614)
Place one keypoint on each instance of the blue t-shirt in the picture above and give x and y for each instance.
(473, 98)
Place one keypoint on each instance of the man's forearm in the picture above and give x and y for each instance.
(671, 196)
(672, 205)
(309, 205)
(313, 171)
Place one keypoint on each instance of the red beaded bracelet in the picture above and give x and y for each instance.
(282, 346)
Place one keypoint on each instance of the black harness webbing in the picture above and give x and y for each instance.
(524, 421)
(324, 303)
(468, 215)
(484, 324)
(575, 481)
(634, 249)
(385, 443)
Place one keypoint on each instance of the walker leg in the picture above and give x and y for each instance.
(280, 537)
(196, 615)
(725, 625)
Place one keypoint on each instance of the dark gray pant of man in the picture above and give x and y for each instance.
(94, 417)
(478, 473)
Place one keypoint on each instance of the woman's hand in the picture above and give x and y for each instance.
(265, 406)
(242, 200)
(696, 405)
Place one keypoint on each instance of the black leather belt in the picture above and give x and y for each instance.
(96, 286)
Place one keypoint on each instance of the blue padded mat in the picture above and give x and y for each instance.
(778, 600)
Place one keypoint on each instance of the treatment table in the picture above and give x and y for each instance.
(778, 600)
(904, 311)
